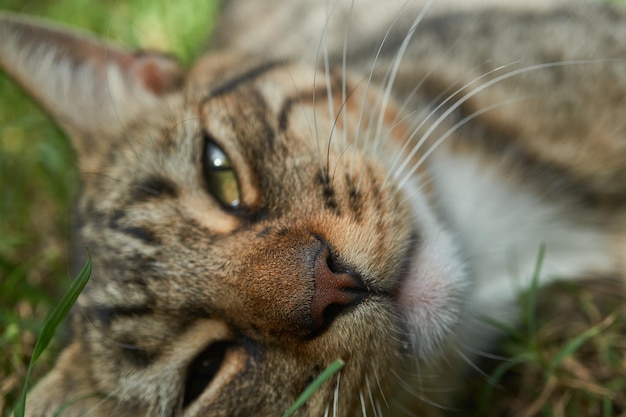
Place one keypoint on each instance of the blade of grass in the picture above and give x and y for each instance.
(577, 342)
(331, 370)
(52, 322)
(531, 300)
(498, 373)
(509, 331)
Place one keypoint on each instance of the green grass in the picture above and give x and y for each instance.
(570, 361)
(331, 370)
(57, 315)
(573, 364)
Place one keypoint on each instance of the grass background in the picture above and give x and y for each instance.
(569, 361)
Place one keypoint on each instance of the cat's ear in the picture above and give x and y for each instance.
(90, 87)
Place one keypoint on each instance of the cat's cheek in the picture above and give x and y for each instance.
(430, 299)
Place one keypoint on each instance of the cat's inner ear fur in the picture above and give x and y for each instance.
(89, 86)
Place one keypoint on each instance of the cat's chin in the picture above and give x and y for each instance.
(431, 295)
(430, 298)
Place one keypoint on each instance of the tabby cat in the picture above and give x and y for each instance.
(363, 181)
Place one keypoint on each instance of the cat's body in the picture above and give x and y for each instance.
(340, 237)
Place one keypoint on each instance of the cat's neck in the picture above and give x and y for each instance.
(502, 224)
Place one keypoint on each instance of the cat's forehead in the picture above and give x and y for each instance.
(307, 105)
(277, 108)
(223, 73)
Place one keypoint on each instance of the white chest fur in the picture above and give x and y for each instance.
(501, 225)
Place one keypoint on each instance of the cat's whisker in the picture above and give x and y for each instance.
(486, 85)
(363, 407)
(366, 143)
(396, 65)
(402, 152)
(377, 409)
(411, 390)
(380, 140)
(451, 131)
(370, 396)
(344, 58)
(369, 83)
(336, 396)
(380, 388)
(421, 185)
(343, 153)
(418, 86)
(321, 45)
(371, 118)
(484, 354)
(406, 117)
(471, 363)
(329, 83)
(372, 140)
(342, 110)
(423, 115)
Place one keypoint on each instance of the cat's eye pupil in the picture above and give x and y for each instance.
(221, 180)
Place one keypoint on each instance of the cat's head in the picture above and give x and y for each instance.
(249, 223)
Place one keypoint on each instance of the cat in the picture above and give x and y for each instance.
(365, 184)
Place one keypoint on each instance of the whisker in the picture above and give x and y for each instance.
(371, 396)
(396, 63)
(376, 409)
(414, 91)
(332, 178)
(472, 364)
(484, 354)
(483, 87)
(427, 118)
(411, 391)
(314, 98)
(336, 396)
(363, 408)
(345, 129)
(329, 86)
(344, 58)
(449, 133)
(369, 81)
(380, 388)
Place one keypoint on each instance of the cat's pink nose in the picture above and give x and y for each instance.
(336, 288)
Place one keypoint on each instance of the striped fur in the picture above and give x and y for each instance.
(426, 168)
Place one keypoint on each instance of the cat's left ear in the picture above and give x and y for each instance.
(90, 87)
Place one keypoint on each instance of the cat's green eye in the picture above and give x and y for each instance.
(219, 175)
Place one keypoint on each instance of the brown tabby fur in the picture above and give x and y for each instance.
(175, 272)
